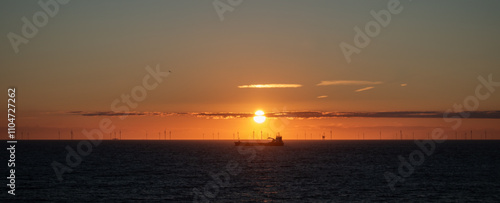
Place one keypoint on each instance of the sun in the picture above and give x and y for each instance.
(259, 113)
(259, 117)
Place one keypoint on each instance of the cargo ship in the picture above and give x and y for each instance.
(278, 141)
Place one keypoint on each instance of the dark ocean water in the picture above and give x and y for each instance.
(301, 171)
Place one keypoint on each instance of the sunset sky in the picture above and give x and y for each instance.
(427, 59)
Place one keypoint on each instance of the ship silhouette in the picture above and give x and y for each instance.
(278, 141)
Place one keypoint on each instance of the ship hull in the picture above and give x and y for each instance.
(258, 144)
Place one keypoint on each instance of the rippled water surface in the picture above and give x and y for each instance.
(300, 171)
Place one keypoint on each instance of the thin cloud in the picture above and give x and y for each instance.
(364, 89)
(270, 86)
(348, 82)
(404, 85)
(302, 114)
(325, 114)
(322, 96)
(114, 113)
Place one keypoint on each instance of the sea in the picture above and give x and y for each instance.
(218, 171)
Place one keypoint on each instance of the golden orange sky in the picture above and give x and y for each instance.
(179, 58)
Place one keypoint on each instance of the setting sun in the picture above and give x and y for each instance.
(259, 117)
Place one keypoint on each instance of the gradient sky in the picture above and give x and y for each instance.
(91, 52)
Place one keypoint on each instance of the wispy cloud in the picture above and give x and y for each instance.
(322, 96)
(114, 113)
(404, 85)
(303, 114)
(270, 86)
(364, 89)
(325, 114)
(348, 82)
